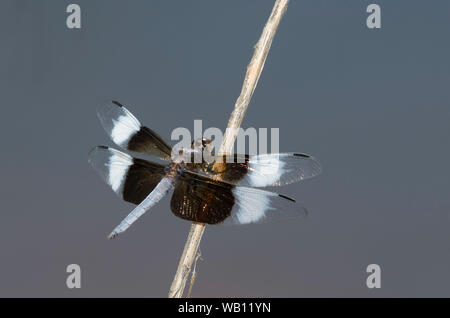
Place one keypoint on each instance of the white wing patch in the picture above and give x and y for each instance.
(256, 206)
(251, 205)
(265, 170)
(118, 167)
(118, 122)
(123, 128)
(112, 165)
(279, 169)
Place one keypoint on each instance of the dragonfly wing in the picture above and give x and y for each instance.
(127, 132)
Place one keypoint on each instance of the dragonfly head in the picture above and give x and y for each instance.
(199, 152)
(201, 143)
(203, 146)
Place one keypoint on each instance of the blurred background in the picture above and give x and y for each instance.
(373, 106)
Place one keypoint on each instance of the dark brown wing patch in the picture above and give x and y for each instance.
(231, 168)
(142, 177)
(149, 142)
(201, 199)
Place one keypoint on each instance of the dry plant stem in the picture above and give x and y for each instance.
(194, 274)
(187, 259)
(254, 70)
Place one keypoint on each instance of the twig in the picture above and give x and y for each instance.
(194, 273)
(254, 70)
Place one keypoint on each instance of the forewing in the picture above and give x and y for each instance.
(265, 170)
(127, 132)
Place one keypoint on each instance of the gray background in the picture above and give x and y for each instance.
(371, 105)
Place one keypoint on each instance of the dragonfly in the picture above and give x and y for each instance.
(207, 191)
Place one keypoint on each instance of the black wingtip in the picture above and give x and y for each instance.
(285, 197)
(302, 155)
(117, 103)
(92, 151)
